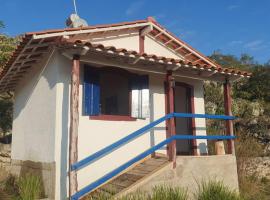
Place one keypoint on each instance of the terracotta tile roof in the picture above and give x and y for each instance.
(159, 59)
(181, 41)
(32, 49)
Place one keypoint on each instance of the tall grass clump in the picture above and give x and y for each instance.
(215, 190)
(158, 193)
(29, 187)
(136, 196)
(169, 193)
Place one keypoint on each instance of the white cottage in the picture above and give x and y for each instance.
(99, 103)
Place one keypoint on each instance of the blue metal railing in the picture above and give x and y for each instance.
(90, 159)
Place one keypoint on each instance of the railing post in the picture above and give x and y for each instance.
(228, 111)
(74, 123)
(171, 124)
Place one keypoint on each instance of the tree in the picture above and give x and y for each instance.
(7, 46)
(247, 60)
(230, 61)
(257, 87)
(1, 24)
(251, 97)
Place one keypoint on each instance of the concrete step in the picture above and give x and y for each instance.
(129, 178)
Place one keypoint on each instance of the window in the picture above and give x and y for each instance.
(111, 93)
(114, 93)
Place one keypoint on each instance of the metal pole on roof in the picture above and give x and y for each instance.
(75, 7)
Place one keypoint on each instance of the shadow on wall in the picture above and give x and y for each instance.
(31, 81)
(155, 89)
(64, 141)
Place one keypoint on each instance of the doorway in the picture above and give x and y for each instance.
(183, 103)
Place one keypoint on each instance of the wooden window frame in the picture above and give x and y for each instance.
(105, 117)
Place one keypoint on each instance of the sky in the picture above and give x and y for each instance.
(230, 26)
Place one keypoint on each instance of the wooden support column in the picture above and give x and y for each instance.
(74, 123)
(228, 111)
(171, 123)
(141, 44)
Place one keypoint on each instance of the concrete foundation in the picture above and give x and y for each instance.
(190, 171)
(45, 170)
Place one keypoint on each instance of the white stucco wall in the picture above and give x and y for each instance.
(121, 39)
(34, 115)
(130, 41)
(151, 46)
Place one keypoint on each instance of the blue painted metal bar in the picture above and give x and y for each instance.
(190, 115)
(90, 159)
(118, 170)
(119, 143)
(206, 137)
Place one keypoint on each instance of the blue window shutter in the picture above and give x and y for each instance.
(91, 91)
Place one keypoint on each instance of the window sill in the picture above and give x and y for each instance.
(112, 118)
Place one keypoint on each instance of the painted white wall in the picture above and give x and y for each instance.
(130, 41)
(152, 46)
(34, 115)
(121, 39)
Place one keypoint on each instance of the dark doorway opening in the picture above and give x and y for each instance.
(183, 103)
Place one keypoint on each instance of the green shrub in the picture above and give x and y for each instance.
(215, 190)
(159, 193)
(10, 185)
(29, 187)
(136, 196)
(169, 193)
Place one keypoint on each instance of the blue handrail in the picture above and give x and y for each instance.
(92, 158)
(118, 170)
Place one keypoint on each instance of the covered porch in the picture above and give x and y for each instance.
(170, 69)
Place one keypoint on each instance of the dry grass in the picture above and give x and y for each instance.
(251, 187)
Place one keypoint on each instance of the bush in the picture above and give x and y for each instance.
(29, 187)
(213, 190)
(159, 193)
(136, 196)
(169, 193)
(253, 188)
(10, 185)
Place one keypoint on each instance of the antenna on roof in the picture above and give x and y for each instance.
(74, 21)
(75, 7)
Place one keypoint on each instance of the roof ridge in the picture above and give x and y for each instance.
(86, 27)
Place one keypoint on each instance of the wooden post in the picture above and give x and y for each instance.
(141, 44)
(74, 123)
(171, 124)
(228, 111)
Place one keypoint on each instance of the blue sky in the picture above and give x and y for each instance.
(232, 26)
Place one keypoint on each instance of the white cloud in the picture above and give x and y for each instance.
(232, 7)
(134, 7)
(255, 45)
(235, 43)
